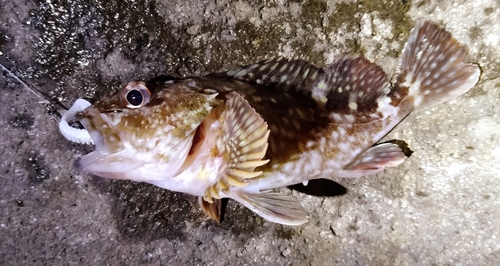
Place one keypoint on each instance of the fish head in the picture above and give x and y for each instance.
(145, 132)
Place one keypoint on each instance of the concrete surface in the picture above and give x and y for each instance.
(441, 207)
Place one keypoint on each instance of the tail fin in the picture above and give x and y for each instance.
(433, 68)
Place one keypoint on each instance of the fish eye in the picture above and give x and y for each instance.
(135, 94)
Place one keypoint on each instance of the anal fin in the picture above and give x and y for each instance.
(375, 159)
(274, 207)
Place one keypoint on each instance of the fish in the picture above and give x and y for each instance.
(243, 133)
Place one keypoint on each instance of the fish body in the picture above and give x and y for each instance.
(276, 123)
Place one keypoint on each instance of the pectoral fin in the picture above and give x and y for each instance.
(374, 160)
(243, 145)
(274, 207)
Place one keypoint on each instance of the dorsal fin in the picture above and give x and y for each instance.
(352, 85)
(349, 89)
(280, 72)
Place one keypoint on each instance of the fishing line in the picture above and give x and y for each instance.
(46, 99)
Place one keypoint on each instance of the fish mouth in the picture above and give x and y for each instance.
(82, 113)
(100, 129)
(106, 159)
(115, 155)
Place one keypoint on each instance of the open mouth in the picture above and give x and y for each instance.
(84, 124)
(74, 134)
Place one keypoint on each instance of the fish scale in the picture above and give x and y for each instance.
(276, 123)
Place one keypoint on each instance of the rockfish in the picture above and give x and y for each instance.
(276, 123)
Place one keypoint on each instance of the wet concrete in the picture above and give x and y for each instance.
(439, 207)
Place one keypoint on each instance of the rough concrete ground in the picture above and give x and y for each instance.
(440, 207)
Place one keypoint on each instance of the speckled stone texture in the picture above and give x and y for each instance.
(441, 207)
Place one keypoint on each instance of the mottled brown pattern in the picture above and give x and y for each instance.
(292, 102)
(355, 80)
(305, 108)
(322, 124)
(398, 94)
(176, 110)
(290, 121)
(316, 117)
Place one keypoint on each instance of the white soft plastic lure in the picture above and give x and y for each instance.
(75, 134)
(276, 123)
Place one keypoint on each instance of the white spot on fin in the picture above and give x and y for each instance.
(433, 67)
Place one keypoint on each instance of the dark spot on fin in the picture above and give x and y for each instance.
(403, 145)
(376, 159)
(280, 73)
(274, 207)
(433, 68)
(352, 85)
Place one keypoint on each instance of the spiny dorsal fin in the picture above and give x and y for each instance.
(433, 68)
(349, 88)
(243, 143)
(279, 72)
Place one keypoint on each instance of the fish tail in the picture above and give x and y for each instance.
(433, 68)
